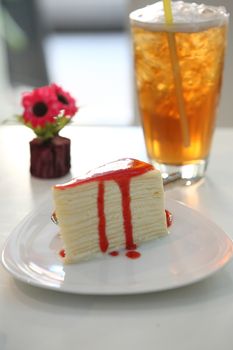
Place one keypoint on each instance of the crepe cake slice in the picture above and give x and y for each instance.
(118, 205)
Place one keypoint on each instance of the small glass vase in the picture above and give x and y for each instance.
(50, 158)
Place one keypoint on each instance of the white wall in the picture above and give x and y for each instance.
(83, 14)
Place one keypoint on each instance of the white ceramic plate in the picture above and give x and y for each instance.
(195, 249)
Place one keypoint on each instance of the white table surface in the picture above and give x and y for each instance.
(199, 316)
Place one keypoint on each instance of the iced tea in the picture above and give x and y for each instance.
(200, 54)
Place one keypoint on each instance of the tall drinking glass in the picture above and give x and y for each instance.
(199, 35)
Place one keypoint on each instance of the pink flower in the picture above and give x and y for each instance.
(47, 110)
(65, 100)
(40, 107)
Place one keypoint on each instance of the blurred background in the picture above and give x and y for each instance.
(83, 45)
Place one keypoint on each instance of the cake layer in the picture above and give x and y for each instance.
(109, 213)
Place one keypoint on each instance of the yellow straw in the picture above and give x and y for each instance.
(176, 73)
(168, 11)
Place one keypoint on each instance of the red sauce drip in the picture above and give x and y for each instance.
(133, 247)
(133, 254)
(120, 171)
(103, 241)
(168, 217)
(125, 197)
(62, 253)
(114, 253)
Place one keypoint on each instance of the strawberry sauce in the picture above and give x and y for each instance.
(103, 241)
(114, 253)
(133, 254)
(169, 217)
(62, 253)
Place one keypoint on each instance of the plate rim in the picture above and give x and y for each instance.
(21, 276)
